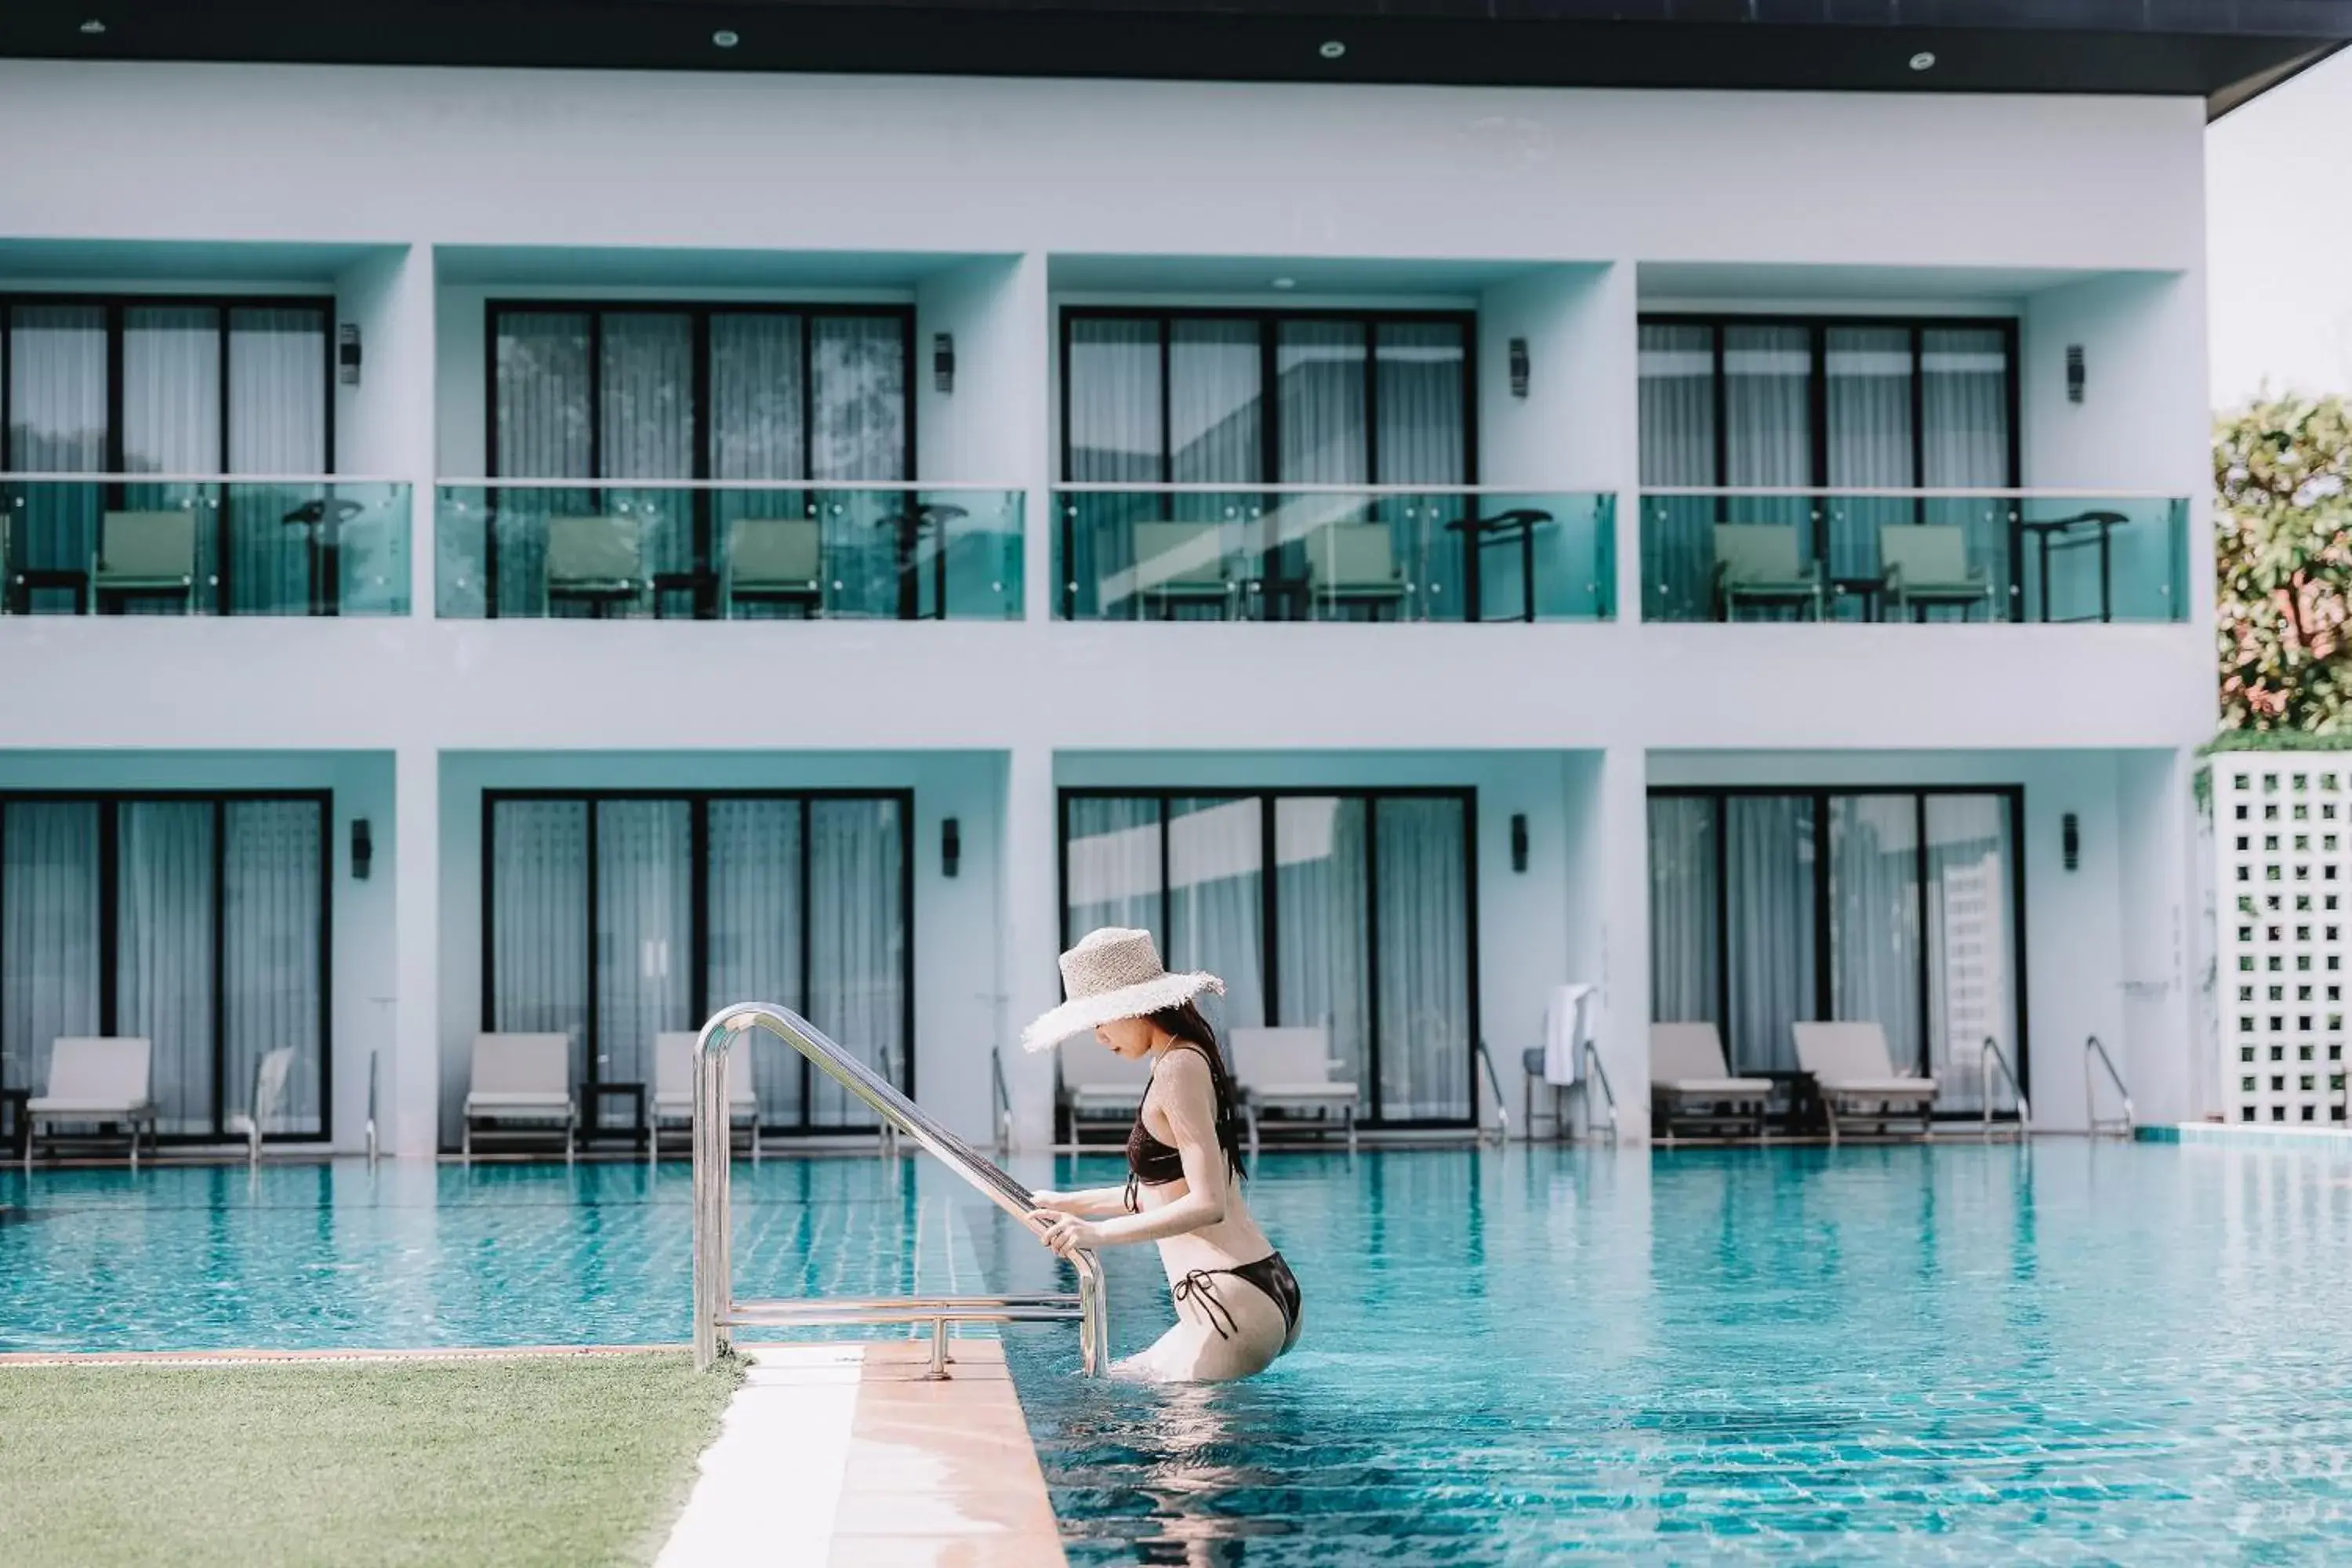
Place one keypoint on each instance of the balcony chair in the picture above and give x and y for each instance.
(268, 1103)
(1181, 565)
(96, 1079)
(776, 560)
(521, 1077)
(1690, 1083)
(145, 555)
(595, 560)
(674, 1092)
(1855, 1075)
(1353, 563)
(1097, 1085)
(1290, 1069)
(1927, 565)
(1761, 564)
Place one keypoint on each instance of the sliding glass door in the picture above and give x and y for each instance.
(617, 917)
(196, 922)
(1893, 907)
(1362, 927)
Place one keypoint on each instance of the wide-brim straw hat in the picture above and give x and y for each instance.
(1113, 973)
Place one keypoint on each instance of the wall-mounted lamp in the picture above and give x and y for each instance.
(363, 848)
(1518, 841)
(2070, 840)
(2074, 372)
(950, 847)
(943, 360)
(1520, 366)
(347, 353)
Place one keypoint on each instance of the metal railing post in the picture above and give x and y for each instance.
(713, 1278)
(1985, 1058)
(1502, 1106)
(2091, 1120)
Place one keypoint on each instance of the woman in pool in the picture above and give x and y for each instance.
(1238, 1303)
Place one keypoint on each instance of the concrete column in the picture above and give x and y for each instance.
(1029, 933)
(1621, 860)
(2156, 1053)
(411, 1083)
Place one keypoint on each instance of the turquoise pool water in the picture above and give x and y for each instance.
(2067, 1355)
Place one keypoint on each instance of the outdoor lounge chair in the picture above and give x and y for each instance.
(1762, 564)
(1290, 1069)
(1690, 1084)
(1927, 565)
(1096, 1084)
(268, 1101)
(1181, 565)
(145, 555)
(1857, 1080)
(102, 1079)
(776, 560)
(593, 560)
(674, 1092)
(521, 1077)
(1351, 564)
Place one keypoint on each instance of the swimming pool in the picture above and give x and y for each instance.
(1894, 1354)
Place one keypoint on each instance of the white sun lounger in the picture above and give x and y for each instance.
(1690, 1082)
(1856, 1077)
(1290, 1069)
(95, 1078)
(1097, 1085)
(521, 1077)
(674, 1091)
(268, 1103)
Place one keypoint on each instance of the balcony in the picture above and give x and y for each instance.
(78, 545)
(727, 549)
(1913, 556)
(1297, 553)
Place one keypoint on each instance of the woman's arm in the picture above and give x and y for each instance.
(1092, 1203)
(1187, 1097)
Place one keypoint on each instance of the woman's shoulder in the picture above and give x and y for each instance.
(1184, 1066)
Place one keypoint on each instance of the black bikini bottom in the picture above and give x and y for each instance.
(1270, 1274)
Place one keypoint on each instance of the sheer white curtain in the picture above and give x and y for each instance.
(754, 935)
(1424, 958)
(277, 424)
(859, 366)
(172, 425)
(1114, 420)
(857, 933)
(646, 416)
(1685, 965)
(1875, 918)
(645, 931)
(1216, 903)
(269, 959)
(541, 421)
(1767, 378)
(1971, 944)
(1322, 930)
(1871, 440)
(539, 923)
(48, 932)
(1216, 415)
(1769, 893)
(164, 952)
(1113, 849)
(1678, 448)
(1966, 438)
(757, 432)
(1321, 418)
(57, 423)
(1421, 370)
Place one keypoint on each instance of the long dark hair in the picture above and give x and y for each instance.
(1185, 1022)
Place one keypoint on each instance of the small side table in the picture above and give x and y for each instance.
(1865, 589)
(592, 1106)
(19, 1129)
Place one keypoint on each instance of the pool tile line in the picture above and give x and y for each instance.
(267, 1357)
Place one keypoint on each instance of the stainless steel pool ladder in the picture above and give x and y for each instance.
(716, 1309)
(1595, 1073)
(1502, 1107)
(371, 1115)
(2121, 1126)
(1993, 1053)
(1001, 1097)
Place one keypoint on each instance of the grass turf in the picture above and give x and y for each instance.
(557, 1460)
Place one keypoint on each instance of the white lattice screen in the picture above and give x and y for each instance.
(2280, 830)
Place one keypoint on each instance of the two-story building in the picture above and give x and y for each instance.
(827, 505)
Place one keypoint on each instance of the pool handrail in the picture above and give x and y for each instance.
(1598, 1074)
(1001, 1098)
(1991, 1054)
(716, 1308)
(2094, 1124)
(1502, 1107)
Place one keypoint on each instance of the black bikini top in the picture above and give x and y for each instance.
(1151, 1163)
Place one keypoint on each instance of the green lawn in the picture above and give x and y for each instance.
(559, 1460)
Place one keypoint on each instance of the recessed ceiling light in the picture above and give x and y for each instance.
(1923, 60)
(726, 38)
(1332, 50)
(1286, 282)
(93, 26)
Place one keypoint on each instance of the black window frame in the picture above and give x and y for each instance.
(110, 803)
(1824, 957)
(699, 1004)
(1268, 321)
(1466, 795)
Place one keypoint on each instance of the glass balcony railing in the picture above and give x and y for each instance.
(727, 549)
(151, 544)
(1913, 556)
(1289, 553)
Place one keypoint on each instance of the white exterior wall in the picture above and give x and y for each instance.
(414, 195)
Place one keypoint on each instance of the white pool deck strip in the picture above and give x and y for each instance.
(844, 1455)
